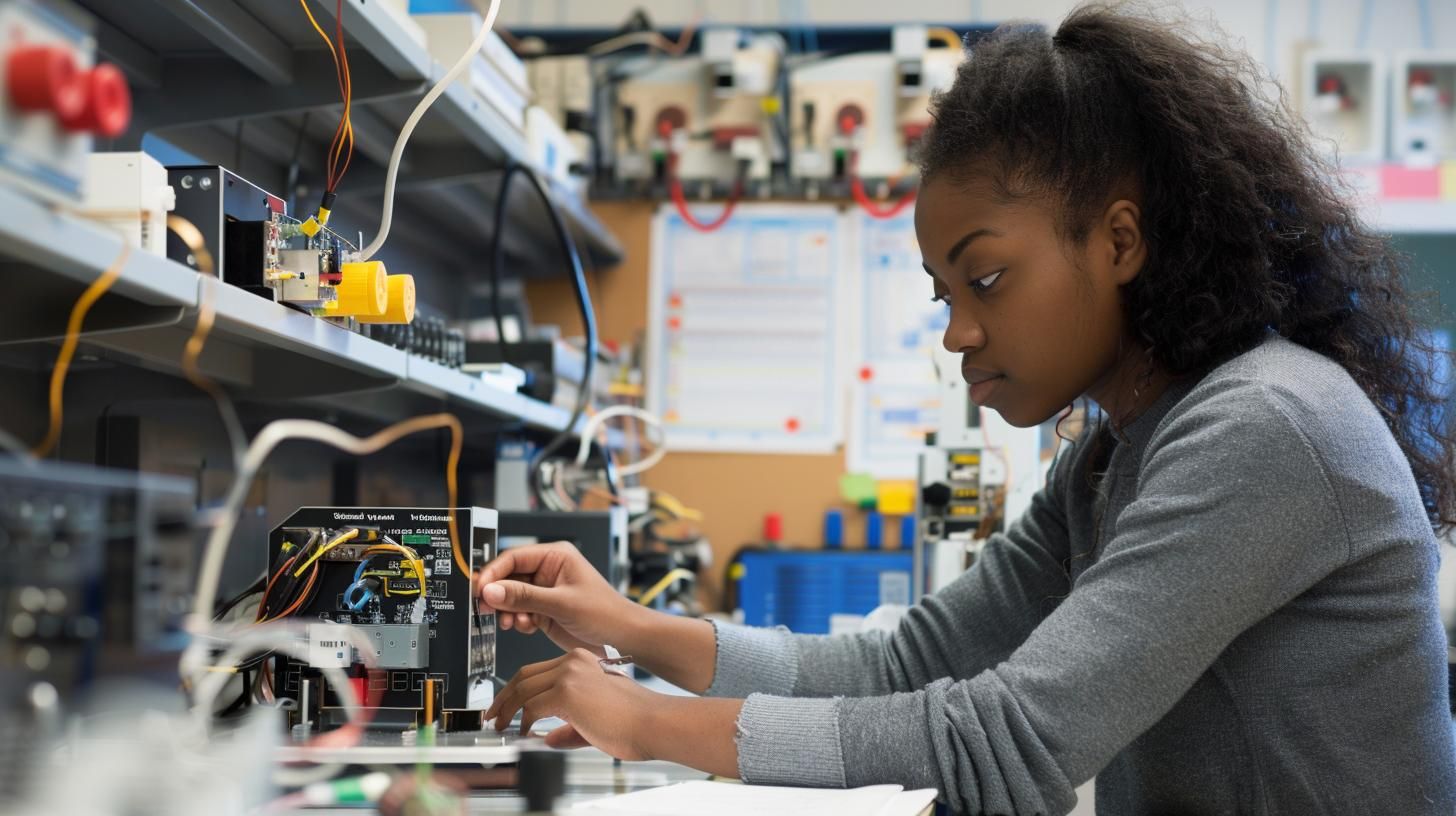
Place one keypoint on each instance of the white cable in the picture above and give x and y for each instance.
(387, 215)
(194, 657)
(590, 428)
(290, 639)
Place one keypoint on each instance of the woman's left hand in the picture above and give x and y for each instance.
(603, 709)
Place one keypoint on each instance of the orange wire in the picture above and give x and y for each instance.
(83, 305)
(348, 90)
(302, 595)
(339, 72)
(268, 588)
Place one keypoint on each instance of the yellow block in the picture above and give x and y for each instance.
(364, 291)
(401, 306)
(1448, 180)
(895, 498)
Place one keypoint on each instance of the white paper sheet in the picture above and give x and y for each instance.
(894, 396)
(746, 328)
(725, 799)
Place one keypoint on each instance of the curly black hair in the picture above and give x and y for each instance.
(1247, 225)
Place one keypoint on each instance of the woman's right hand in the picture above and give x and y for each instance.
(553, 588)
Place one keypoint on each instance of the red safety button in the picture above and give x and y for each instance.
(44, 78)
(107, 111)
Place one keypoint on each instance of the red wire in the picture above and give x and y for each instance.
(856, 189)
(674, 186)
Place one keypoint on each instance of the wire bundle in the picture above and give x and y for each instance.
(341, 147)
(368, 584)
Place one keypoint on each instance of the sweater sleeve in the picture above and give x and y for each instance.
(1211, 544)
(970, 625)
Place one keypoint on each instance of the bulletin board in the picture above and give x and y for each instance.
(733, 490)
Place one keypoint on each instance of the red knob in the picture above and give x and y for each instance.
(44, 78)
(107, 111)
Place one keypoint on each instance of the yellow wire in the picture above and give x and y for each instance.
(411, 557)
(658, 588)
(83, 305)
(452, 464)
(944, 35)
(675, 507)
(325, 548)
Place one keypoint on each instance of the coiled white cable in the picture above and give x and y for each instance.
(589, 429)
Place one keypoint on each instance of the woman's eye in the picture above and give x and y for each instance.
(985, 283)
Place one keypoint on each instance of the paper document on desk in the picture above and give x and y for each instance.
(724, 799)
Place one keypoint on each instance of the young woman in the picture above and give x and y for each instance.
(1224, 600)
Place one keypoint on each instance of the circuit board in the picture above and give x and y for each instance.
(394, 575)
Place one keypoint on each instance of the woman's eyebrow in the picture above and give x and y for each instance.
(965, 241)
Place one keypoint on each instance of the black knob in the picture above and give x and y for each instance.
(541, 778)
(935, 495)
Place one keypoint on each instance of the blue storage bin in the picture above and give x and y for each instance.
(801, 589)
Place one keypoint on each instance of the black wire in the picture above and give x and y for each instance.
(589, 324)
(498, 255)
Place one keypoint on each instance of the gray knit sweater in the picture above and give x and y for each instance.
(1254, 629)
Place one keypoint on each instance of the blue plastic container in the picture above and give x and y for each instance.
(801, 589)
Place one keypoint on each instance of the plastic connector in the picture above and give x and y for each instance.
(311, 227)
(363, 292)
(401, 305)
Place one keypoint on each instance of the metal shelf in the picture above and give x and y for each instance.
(201, 69)
(259, 349)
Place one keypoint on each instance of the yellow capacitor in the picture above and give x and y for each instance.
(401, 306)
(364, 291)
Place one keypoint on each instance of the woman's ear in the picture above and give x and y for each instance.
(1123, 222)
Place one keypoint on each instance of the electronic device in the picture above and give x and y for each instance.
(102, 572)
(700, 118)
(554, 368)
(394, 574)
(602, 538)
(105, 567)
(869, 110)
(974, 478)
(428, 337)
(1344, 102)
(56, 98)
(129, 193)
(1423, 106)
(257, 246)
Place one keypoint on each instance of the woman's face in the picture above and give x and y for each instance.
(1037, 322)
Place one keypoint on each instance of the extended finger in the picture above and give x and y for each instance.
(521, 696)
(512, 696)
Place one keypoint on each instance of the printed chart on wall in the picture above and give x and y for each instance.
(745, 330)
(895, 396)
